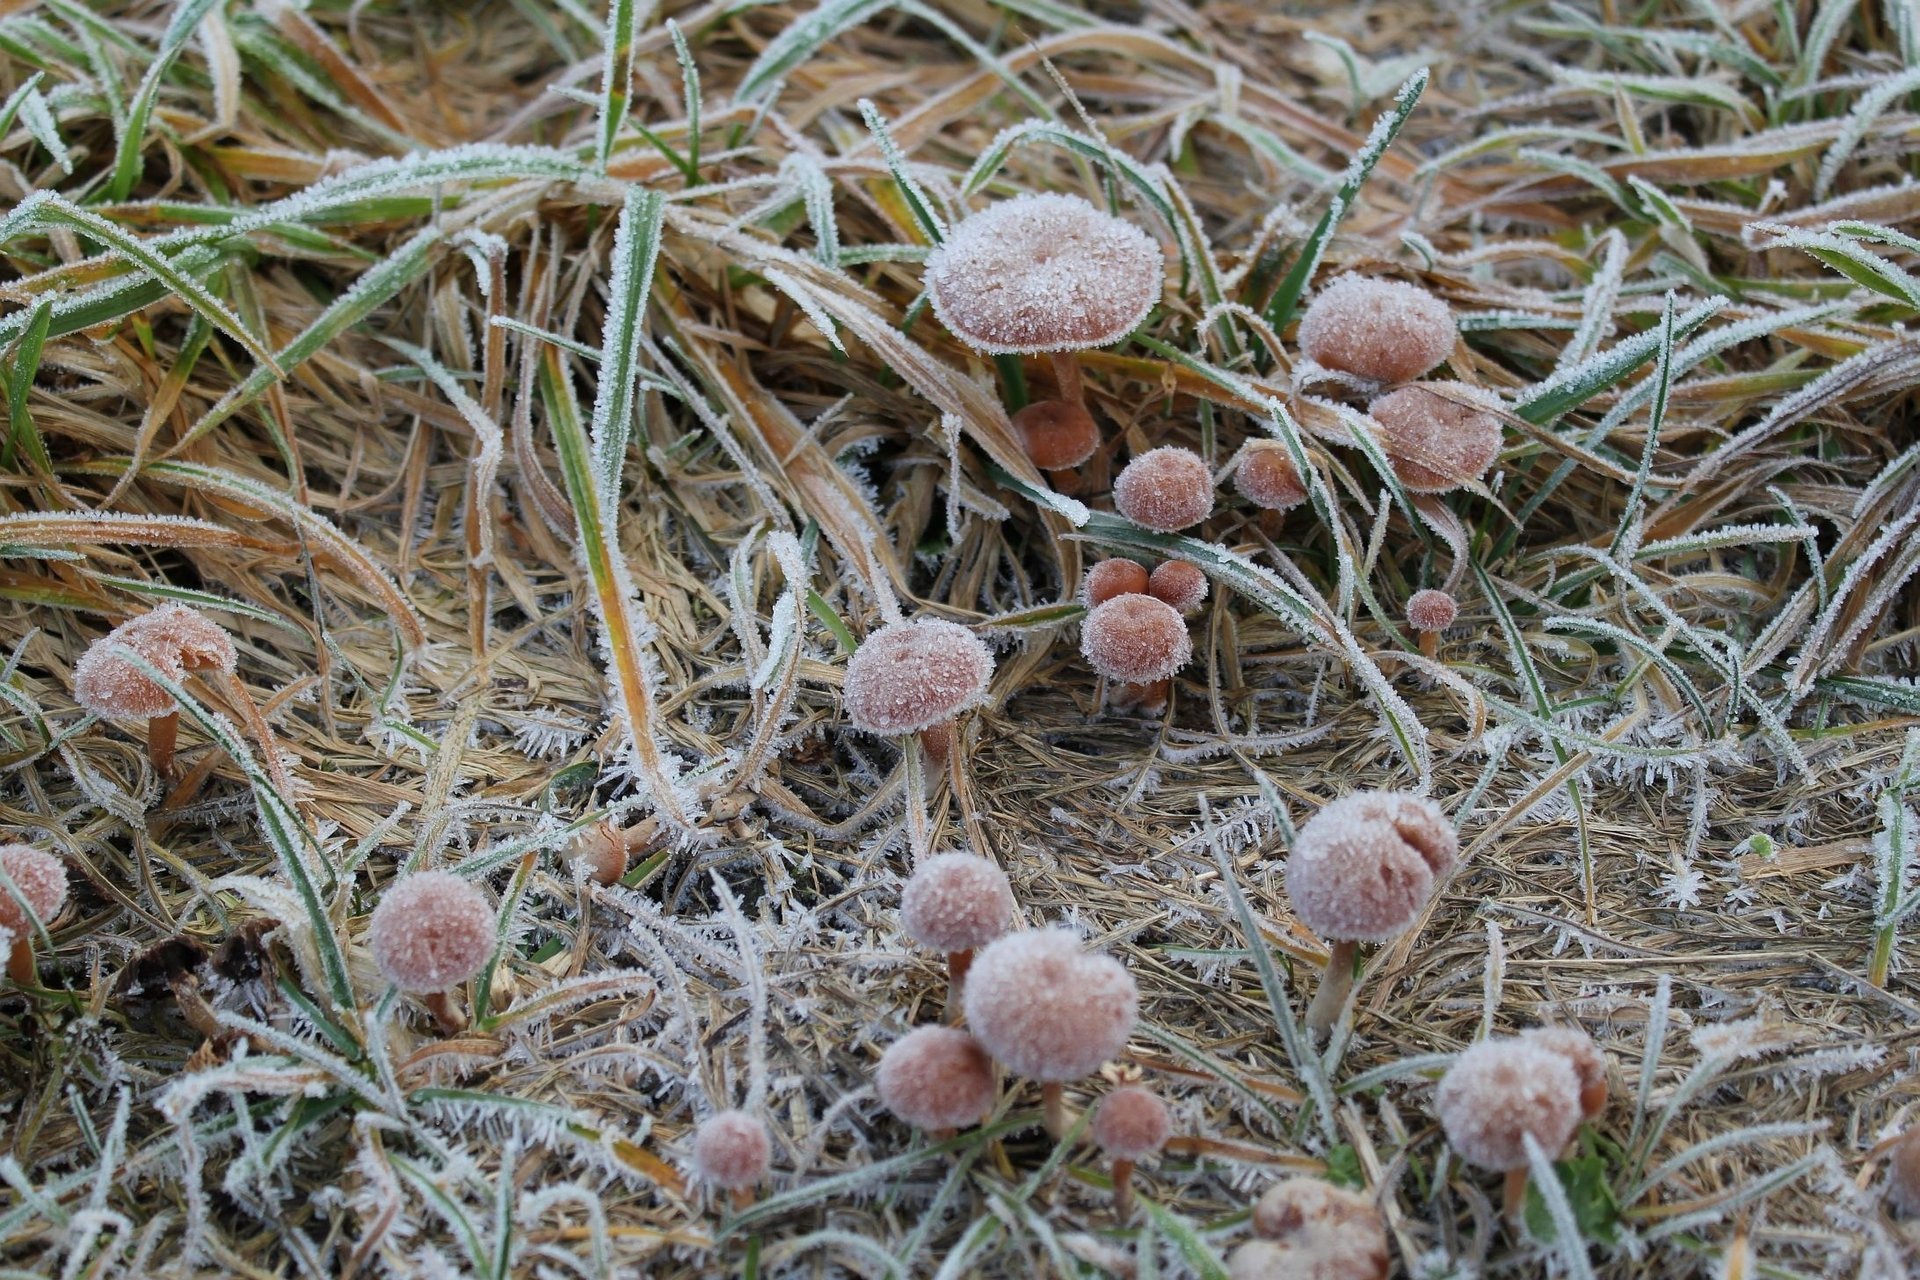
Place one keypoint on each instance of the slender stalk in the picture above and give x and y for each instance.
(163, 732)
(1335, 985)
(20, 966)
(1053, 1106)
(1066, 371)
(1514, 1198)
(1123, 1189)
(1429, 643)
(958, 962)
(445, 1012)
(919, 825)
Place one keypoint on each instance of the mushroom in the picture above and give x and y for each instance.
(1131, 1124)
(1384, 331)
(956, 903)
(1045, 274)
(1050, 1010)
(1307, 1229)
(936, 1078)
(173, 638)
(32, 893)
(1178, 584)
(1903, 1173)
(1430, 612)
(1138, 642)
(1166, 489)
(1501, 1092)
(1058, 435)
(1361, 870)
(732, 1151)
(1583, 1055)
(602, 848)
(1266, 476)
(1116, 577)
(1438, 435)
(431, 932)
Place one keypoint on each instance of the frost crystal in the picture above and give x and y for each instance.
(1057, 434)
(1178, 584)
(1385, 330)
(37, 876)
(1132, 1124)
(1431, 610)
(1317, 1231)
(936, 1078)
(1364, 866)
(173, 638)
(1116, 577)
(731, 1150)
(956, 902)
(1048, 1009)
(1498, 1092)
(1167, 489)
(1044, 273)
(432, 930)
(910, 676)
(1135, 639)
(1438, 439)
(1266, 477)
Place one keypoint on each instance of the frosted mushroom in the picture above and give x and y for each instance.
(1385, 331)
(1166, 489)
(1361, 870)
(1501, 1092)
(1307, 1229)
(1116, 577)
(1430, 612)
(1130, 1124)
(1135, 639)
(1903, 1173)
(431, 932)
(1583, 1055)
(1266, 476)
(1050, 1010)
(1179, 584)
(936, 1078)
(956, 903)
(172, 638)
(602, 850)
(732, 1151)
(34, 891)
(1438, 435)
(1057, 434)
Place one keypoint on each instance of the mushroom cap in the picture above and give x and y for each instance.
(1057, 434)
(173, 637)
(1385, 330)
(1583, 1055)
(1274, 1260)
(1116, 577)
(1431, 610)
(1266, 476)
(1135, 639)
(732, 1150)
(1167, 489)
(1178, 584)
(1044, 273)
(1438, 440)
(936, 1078)
(910, 676)
(603, 849)
(1132, 1123)
(432, 930)
(1499, 1091)
(39, 877)
(1046, 1007)
(956, 902)
(1903, 1173)
(1329, 1230)
(1364, 866)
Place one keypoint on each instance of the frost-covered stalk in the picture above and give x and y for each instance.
(1893, 850)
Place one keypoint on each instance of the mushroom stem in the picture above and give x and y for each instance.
(1514, 1198)
(742, 1198)
(1053, 1106)
(1066, 371)
(162, 733)
(1123, 1189)
(440, 1004)
(1429, 644)
(919, 824)
(1335, 985)
(20, 966)
(958, 962)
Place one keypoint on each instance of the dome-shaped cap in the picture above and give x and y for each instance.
(1046, 1007)
(432, 930)
(732, 1150)
(1132, 1123)
(1135, 639)
(1166, 489)
(1438, 435)
(1364, 866)
(1057, 434)
(910, 676)
(1266, 476)
(37, 876)
(1583, 1055)
(173, 638)
(1327, 1231)
(1178, 584)
(936, 1078)
(1043, 273)
(1903, 1173)
(956, 902)
(1115, 577)
(1431, 610)
(1384, 330)
(1498, 1092)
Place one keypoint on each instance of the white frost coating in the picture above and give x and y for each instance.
(956, 902)
(1048, 1009)
(36, 876)
(173, 637)
(1135, 639)
(910, 676)
(1364, 866)
(1385, 330)
(431, 931)
(1165, 489)
(1179, 584)
(1500, 1092)
(1044, 273)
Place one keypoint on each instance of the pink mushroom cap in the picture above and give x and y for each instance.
(1115, 577)
(956, 902)
(432, 930)
(1135, 639)
(1178, 584)
(1132, 1123)
(173, 638)
(38, 877)
(1266, 476)
(1046, 1007)
(1364, 866)
(1057, 434)
(936, 1078)
(1583, 1055)
(1431, 610)
(732, 1150)
(1324, 1232)
(1382, 330)
(1166, 489)
(1903, 1173)
(1438, 435)
(1500, 1091)
(910, 676)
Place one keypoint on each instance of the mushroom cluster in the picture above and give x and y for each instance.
(1306, 1229)
(174, 640)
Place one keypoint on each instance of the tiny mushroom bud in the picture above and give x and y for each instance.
(1903, 1173)
(1057, 434)
(432, 930)
(602, 850)
(1130, 1125)
(1430, 612)
(1584, 1056)
(936, 1078)
(733, 1151)
(40, 882)
(172, 638)
(1361, 870)
(1266, 476)
(1500, 1092)
(1135, 639)
(1179, 584)
(1165, 489)
(1383, 330)
(1438, 435)
(956, 903)
(1116, 577)
(1313, 1230)
(1050, 1010)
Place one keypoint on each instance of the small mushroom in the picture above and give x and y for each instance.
(1361, 870)
(956, 903)
(1116, 577)
(1049, 1010)
(1131, 1124)
(1500, 1092)
(173, 638)
(1438, 435)
(1430, 612)
(1135, 639)
(1583, 1055)
(1307, 1229)
(34, 890)
(936, 1078)
(1166, 489)
(602, 848)
(1385, 331)
(431, 932)
(1058, 435)
(1266, 476)
(732, 1151)
(1179, 584)
(1903, 1173)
